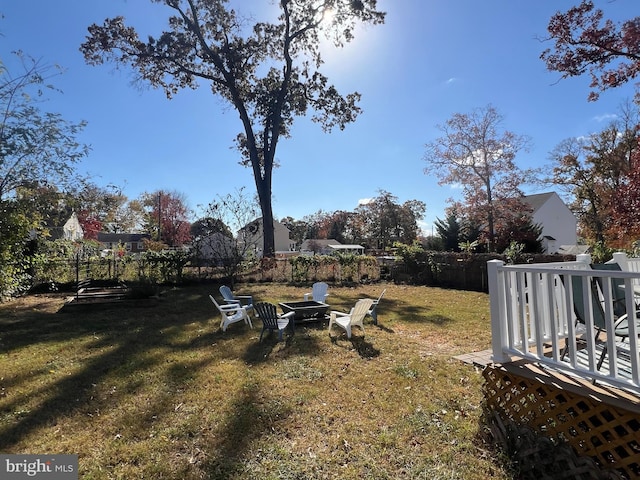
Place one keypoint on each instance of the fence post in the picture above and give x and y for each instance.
(499, 337)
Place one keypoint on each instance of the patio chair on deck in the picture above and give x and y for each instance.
(229, 297)
(319, 292)
(354, 318)
(621, 325)
(617, 287)
(231, 313)
(271, 320)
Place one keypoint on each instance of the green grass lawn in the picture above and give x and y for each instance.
(160, 392)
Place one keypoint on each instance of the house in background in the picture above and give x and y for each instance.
(214, 249)
(72, 230)
(133, 242)
(252, 234)
(318, 246)
(351, 248)
(559, 224)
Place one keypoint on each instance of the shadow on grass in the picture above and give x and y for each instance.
(124, 346)
(261, 351)
(382, 327)
(253, 415)
(128, 337)
(297, 344)
(415, 314)
(365, 349)
(359, 343)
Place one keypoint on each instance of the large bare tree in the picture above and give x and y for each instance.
(476, 153)
(268, 71)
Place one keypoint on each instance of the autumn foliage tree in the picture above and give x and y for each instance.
(594, 171)
(386, 221)
(335, 225)
(268, 71)
(603, 171)
(167, 217)
(586, 42)
(475, 152)
(625, 224)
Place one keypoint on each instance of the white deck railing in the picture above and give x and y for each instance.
(533, 317)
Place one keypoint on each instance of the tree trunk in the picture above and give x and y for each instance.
(490, 218)
(268, 232)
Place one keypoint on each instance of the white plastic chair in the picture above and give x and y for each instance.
(229, 297)
(319, 292)
(355, 317)
(231, 313)
(372, 311)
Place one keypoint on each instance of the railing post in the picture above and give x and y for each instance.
(584, 258)
(499, 337)
(621, 259)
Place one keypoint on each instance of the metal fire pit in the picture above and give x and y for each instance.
(306, 311)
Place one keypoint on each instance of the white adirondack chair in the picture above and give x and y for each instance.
(231, 313)
(355, 317)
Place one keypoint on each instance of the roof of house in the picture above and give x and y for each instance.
(535, 201)
(318, 242)
(254, 225)
(346, 247)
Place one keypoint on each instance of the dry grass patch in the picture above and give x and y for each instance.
(161, 392)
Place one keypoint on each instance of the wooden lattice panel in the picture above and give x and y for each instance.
(595, 429)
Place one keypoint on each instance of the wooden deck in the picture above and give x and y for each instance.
(560, 421)
(599, 391)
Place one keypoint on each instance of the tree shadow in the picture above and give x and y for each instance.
(252, 415)
(124, 335)
(416, 314)
(133, 341)
(439, 320)
(299, 343)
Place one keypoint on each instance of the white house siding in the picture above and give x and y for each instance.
(72, 229)
(214, 248)
(556, 219)
(281, 237)
(254, 236)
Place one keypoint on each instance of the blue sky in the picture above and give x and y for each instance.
(431, 59)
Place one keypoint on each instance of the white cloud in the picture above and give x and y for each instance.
(426, 229)
(365, 201)
(605, 117)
